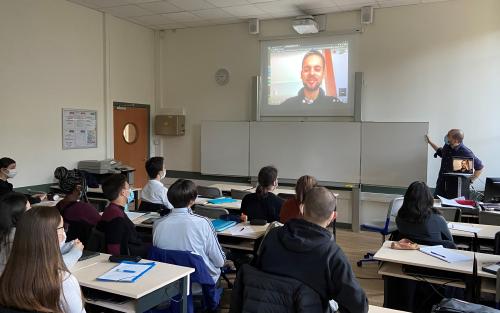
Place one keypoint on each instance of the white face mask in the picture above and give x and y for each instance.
(61, 243)
(11, 173)
(163, 174)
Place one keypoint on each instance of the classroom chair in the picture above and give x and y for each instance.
(97, 241)
(99, 203)
(209, 192)
(209, 211)
(384, 228)
(146, 206)
(451, 214)
(201, 283)
(78, 230)
(239, 194)
(285, 196)
(489, 218)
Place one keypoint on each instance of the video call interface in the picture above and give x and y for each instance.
(287, 74)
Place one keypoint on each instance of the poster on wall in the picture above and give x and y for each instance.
(79, 129)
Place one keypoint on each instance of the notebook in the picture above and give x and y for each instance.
(126, 272)
(221, 225)
(222, 200)
(444, 254)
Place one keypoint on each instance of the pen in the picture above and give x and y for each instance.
(126, 271)
(444, 257)
(242, 229)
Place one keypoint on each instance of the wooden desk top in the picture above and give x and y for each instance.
(485, 232)
(93, 190)
(378, 309)
(417, 258)
(159, 276)
(250, 188)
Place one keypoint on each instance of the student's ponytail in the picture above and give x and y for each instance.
(267, 177)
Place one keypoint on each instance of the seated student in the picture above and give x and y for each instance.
(263, 204)
(35, 277)
(79, 216)
(303, 249)
(292, 208)
(12, 207)
(121, 235)
(418, 219)
(154, 192)
(182, 230)
(8, 170)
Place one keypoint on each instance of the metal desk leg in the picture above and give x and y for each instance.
(356, 204)
(185, 288)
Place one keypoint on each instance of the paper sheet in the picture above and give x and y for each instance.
(448, 202)
(444, 254)
(470, 229)
(126, 272)
(134, 215)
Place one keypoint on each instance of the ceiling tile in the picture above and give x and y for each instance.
(245, 11)
(157, 19)
(326, 10)
(191, 5)
(278, 6)
(182, 17)
(102, 3)
(211, 14)
(227, 3)
(160, 7)
(429, 1)
(126, 11)
(313, 4)
(261, 1)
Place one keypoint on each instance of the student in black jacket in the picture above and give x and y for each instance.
(263, 204)
(305, 250)
(8, 170)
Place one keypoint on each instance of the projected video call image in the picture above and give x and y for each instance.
(308, 75)
(465, 166)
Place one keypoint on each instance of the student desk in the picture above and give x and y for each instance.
(485, 232)
(250, 188)
(234, 206)
(146, 292)
(378, 309)
(392, 261)
(97, 193)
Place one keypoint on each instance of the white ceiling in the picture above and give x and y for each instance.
(171, 14)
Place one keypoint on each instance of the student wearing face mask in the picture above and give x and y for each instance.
(120, 234)
(79, 216)
(8, 170)
(154, 194)
(446, 186)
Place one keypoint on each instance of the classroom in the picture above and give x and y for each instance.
(205, 84)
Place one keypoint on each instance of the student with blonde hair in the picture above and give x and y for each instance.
(292, 208)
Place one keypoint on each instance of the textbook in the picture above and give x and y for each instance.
(126, 272)
(221, 225)
(222, 200)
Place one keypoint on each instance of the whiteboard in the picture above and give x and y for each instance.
(330, 151)
(224, 148)
(393, 154)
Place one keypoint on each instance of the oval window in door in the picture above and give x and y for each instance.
(130, 133)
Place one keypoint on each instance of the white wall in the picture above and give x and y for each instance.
(434, 62)
(52, 56)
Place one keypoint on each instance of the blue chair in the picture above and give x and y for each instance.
(211, 294)
(384, 228)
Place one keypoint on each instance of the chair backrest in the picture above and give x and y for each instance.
(184, 258)
(496, 249)
(209, 211)
(269, 227)
(451, 214)
(152, 207)
(394, 207)
(209, 192)
(239, 194)
(489, 218)
(96, 241)
(79, 230)
(99, 203)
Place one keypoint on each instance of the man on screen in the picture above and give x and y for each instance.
(312, 73)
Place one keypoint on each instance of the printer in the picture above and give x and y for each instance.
(108, 166)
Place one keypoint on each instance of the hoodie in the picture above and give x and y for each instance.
(308, 252)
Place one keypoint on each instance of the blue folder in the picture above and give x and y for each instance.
(221, 225)
(222, 200)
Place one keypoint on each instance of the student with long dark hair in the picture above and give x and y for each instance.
(292, 208)
(418, 219)
(12, 207)
(263, 204)
(35, 278)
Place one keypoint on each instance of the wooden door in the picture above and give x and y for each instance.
(131, 138)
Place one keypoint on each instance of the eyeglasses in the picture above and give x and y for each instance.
(64, 227)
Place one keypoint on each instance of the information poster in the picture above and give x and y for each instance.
(79, 129)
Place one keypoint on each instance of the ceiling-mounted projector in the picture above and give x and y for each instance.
(305, 24)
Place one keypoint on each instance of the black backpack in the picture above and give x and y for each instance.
(448, 305)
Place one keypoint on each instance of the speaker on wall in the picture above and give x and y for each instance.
(367, 15)
(253, 26)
